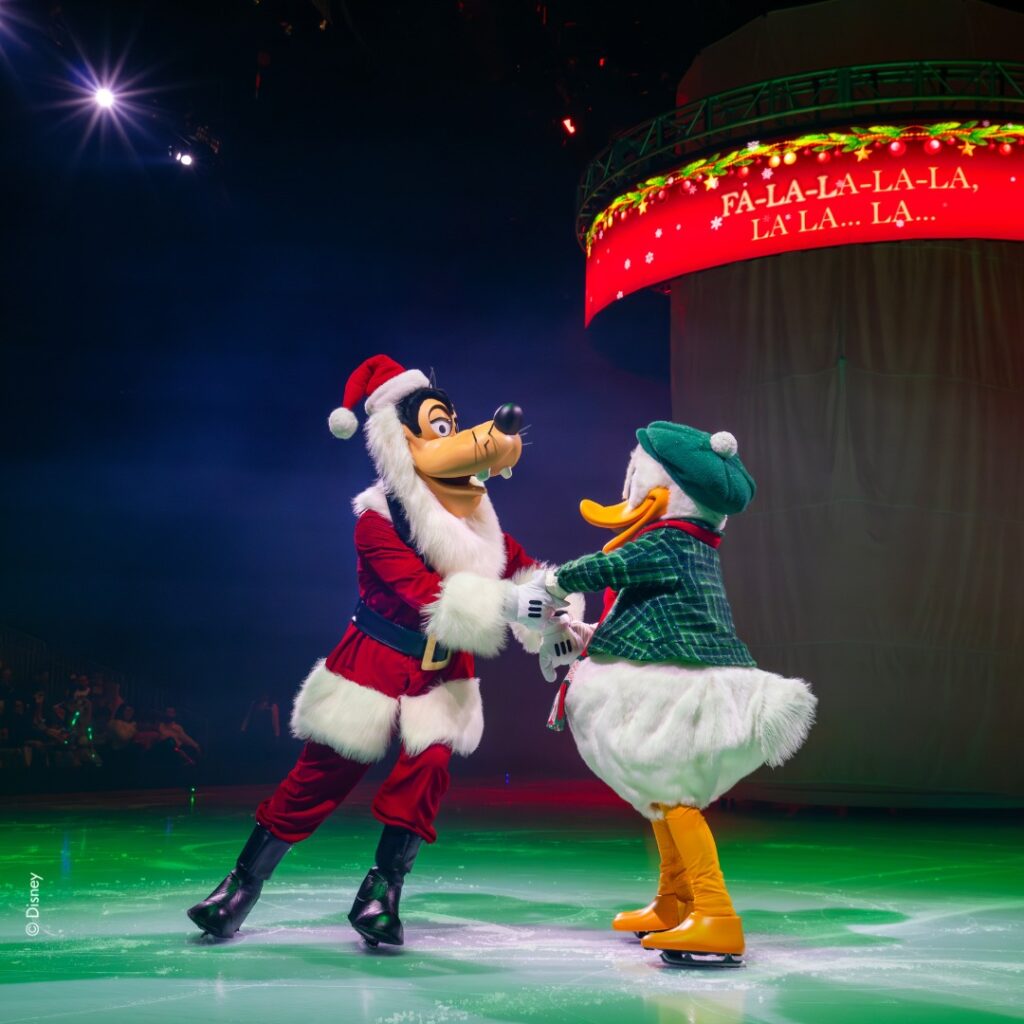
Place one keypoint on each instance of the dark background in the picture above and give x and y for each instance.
(173, 504)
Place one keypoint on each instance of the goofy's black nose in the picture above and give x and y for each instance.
(508, 418)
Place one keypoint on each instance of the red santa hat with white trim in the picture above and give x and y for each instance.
(377, 382)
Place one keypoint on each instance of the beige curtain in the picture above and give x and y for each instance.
(877, 393)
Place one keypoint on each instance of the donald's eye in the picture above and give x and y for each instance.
(442, 427)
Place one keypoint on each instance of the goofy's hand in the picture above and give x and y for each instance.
(562, 643)
(529, 604)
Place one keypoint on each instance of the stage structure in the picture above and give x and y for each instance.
(836, 208)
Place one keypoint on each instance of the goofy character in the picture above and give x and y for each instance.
(438, 582)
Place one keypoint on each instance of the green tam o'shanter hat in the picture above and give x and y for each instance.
(704, 465)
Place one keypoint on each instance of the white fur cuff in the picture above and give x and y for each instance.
(469, 614)
(354, 720)
(451, 713)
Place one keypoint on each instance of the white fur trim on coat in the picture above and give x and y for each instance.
(451, 713)
(468, 614)
(354, 720)
(449, 543)
(394, 390)
(669, 734)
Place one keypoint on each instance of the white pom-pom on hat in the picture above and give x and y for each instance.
(724, 444)
(377, 382)
(343, 423)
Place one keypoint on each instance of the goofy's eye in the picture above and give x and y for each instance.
(442, 426)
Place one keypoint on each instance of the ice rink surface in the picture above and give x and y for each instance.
(866, 918)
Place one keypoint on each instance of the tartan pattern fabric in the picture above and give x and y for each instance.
(671, 603)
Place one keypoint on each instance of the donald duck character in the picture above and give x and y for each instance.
(667, 706)
(439, 581)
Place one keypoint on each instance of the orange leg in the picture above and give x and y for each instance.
(673, 901)
(712, 934)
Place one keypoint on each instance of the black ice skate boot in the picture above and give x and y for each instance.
(224, 910)
(374, 913)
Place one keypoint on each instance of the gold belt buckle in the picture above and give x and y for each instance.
(429, 664)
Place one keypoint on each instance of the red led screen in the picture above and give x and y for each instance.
(916, 185)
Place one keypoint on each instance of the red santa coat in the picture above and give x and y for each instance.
(356, 698)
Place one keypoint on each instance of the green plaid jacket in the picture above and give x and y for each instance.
(671, 603)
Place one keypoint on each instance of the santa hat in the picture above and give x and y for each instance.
(378, 382)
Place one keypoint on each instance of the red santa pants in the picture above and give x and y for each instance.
(409, 797)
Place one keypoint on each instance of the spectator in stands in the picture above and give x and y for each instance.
(171, 731)
(123, 728)
(46, 728)
(8, 691)
(114, 698)
(262, 722)
(6, 751)
(18, 728)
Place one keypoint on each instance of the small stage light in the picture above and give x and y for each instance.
(569, 126)
(104, 97)
(186, 160)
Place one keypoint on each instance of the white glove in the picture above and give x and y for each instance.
(529, 604)
(562, 643)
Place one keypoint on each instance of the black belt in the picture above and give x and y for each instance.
(433, 655)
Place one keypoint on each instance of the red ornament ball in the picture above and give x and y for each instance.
(661, 193)
(622, 216)
(824, 156)
(1005, 148)
(897, 147)
(743, 171)
(932, 146)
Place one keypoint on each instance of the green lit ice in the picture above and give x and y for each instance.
(866, 919)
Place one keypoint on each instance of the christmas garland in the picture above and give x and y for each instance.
(708, 170)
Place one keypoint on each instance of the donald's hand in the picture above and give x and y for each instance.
(562, 643)
(529, 604)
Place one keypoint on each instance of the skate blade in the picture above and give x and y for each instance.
(374, 940)
(208, 932)
(680, 958)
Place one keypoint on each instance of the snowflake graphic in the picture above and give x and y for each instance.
(679, 227)
(657, 234)
(716, 223)
(900, 222)
(649, 258)
(618, 294)
(753, 144)
(627, 264)
(767, 173)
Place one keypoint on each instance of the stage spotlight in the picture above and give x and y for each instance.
(569, 127)
(104, 97)
(186, 160)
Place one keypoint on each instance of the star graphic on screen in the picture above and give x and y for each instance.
(863, 153)
(967, 148)
(710, 182)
